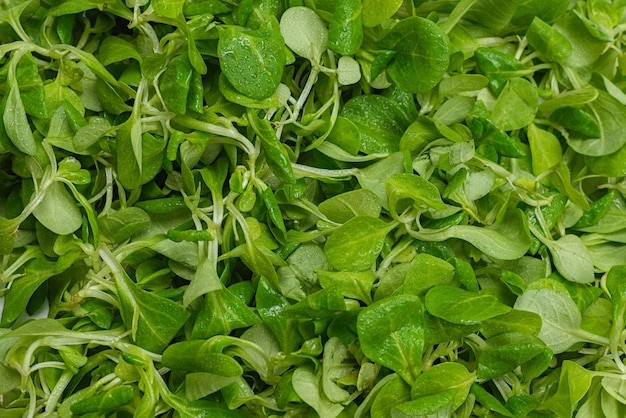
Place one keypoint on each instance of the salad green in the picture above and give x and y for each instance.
(268, 208)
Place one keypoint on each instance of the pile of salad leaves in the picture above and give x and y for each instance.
(287, 208)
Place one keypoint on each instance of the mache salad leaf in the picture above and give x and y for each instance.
(262, 208)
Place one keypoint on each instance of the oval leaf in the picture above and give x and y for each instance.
(422, 54)
(356, 244)
(560, 315)
(462, 306)
(304, 32)
(391, 333)
(571, 258)
(58, 211)
(252, 61)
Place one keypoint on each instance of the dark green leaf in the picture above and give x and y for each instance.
(253, 61)
(422, 54)
(345, 32)
(379, 120)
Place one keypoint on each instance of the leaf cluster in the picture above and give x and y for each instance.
(265, 208)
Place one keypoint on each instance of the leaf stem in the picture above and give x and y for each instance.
(57, 392)
(241, 140)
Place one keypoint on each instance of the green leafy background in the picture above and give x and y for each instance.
(267, 208)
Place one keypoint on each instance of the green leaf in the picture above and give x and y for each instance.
(391, 333)
(516, 106)
(410, 186)
(343, 207)
(611, 116)
(487, 400)
(560, 315)
(376, 12)
(115, 49)
(306, 384)
(275, 154)
(571, 258)
(348, 71)
(174, 84)
(492, 14)
(121, 225)
(355, 246)
(153, 320)
(389, 392)
(31, 87)
(252, 60)
(304, 32)
(461, 306)
(552, 44)
(16, 123)
(58, 211)
(108, 401)
(507, 351)
(204, 280)
(513, 321)
(498, 67)
(319, 305)
(354, 285)
(586, 48)
(379, 120)
(22, 289)
(344, 134)
(427, 271)
(334, 368)
(270, 306)
(449, 381)
(197, 356)
(505, 241)
(345, 31)
(168, 8)
(221, 313)
(574, 382)
(422, 54)
(454, 110)
(545, 149)
(419, 134)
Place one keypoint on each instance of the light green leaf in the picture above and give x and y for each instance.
(574, 382)
(462, 306)
(427, 271)
(420, 191)
(343, 207)
(16, 123)
(58, 211)
(376, 12)
(516, 106)
(560, 315)
(153, 320)
(307, 385)
(507, 351)
(115, 49)
(545, 149)
(304, 32)
(571, 258)
(356, 244)
(391, 333)
(611, 117)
